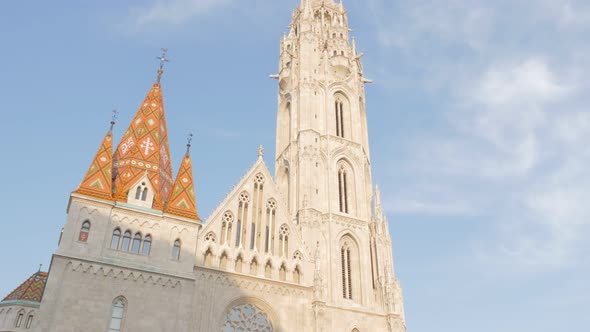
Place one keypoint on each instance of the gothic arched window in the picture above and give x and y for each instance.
(226, 226)
(246, 317)
(136, 245)
(349, 268)
(239, 264)
(268, 270)
(271, 208)
(283, 273)
(297, 275)
(284, 241)
(242, 220)
(223, 261)
(126, 241)
(19, 319)
(147, 245)
(116, 239)
(176, 250)
(117, 315)
(84, 231)
(339, 114)
(254, 267)
(343, 189)
(29, 322)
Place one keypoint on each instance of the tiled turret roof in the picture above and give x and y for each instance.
(182, 202)
(31, 290)
(144, 149)
(98, 181)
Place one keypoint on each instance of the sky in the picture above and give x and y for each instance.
(478, 118)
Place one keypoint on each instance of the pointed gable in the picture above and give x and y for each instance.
(144, 148)
(98, 180)
(182, 201)
(31, 290)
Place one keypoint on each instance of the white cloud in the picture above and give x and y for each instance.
(513, 146)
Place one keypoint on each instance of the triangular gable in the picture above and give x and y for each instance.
(221, 227)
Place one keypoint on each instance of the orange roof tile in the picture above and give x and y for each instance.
(31, 290)
(98, 181)
(182, 202)
(144, 148)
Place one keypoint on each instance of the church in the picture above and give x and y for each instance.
(307, 248)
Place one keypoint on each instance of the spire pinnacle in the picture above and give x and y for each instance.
(163, 59)
(182, 200)
(260, 152)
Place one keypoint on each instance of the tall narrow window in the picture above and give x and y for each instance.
(176, 250)
(284, 241)
(238, 233)
(227, 220)
(116, 239)
(343, 189)
(144, 194)
(138, 193)
(84, 231)
(339, 111)
(117, 316)
(19, 319)
(271, 207)
(349, 267)
(29, 322)
(147, 245)
(252, 236)
(136, 243)
(126, 241)
(242, 222)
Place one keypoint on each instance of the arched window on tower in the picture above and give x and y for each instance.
(29, 322)
(343, 188)
(116, 239)
(117, 315)
(176, 250)
(339, 115)
(271, 207)
(349, 268)
(84, 231)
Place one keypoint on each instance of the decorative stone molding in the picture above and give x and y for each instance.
(122, 274)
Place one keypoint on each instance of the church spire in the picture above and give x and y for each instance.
(98, 180)
(182, 201)
(144, 149)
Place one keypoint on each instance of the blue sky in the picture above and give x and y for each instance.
(478, 117)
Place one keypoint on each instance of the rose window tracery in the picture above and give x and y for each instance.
(259, 179)
(246, 317)
(228, 218)
(244, 197)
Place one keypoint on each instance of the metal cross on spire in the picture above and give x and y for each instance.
(114, 118)
(189, 140)
(163, 59)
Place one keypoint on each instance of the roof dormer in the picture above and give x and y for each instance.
(142, 193)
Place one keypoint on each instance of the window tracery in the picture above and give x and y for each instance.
(226, 227)
(284, 240)
(246, 317)
(210, 237)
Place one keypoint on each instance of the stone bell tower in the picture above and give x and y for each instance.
(323, 166)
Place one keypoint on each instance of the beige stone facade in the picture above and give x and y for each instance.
(307, 249)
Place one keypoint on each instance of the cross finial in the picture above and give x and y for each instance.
(114, 118)
(189, 140)
(260, 152)
(163, 59)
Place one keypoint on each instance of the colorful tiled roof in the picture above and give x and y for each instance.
(31, 290)
(144, 149)
(98, 181)
(182, 202)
